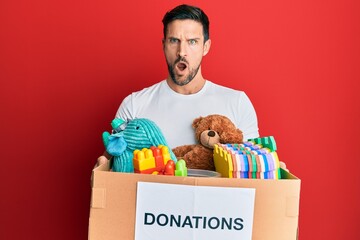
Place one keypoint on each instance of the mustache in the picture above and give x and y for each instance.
(182, 59)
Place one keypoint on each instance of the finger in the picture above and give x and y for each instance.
(102, 160)
(283, 166)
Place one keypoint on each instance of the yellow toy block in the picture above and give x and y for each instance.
(223, 162)
(165, 153)
(143, 159)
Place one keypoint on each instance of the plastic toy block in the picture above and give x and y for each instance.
(269, 161)
(262, 164)
(256, 158)
(170, 168)
(251, 166)
(181, 169)
(143, 160)
(223, 161)
(165, 153)
(156, 160)
(266, 164)
(159, 159)
(267, 142)
(246, 163)
(253, 159)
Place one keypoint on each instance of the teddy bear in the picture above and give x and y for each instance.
(209, 130)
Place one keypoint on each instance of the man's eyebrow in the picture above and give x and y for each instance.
(187, 39)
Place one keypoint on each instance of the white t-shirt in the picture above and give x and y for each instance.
(174, 112)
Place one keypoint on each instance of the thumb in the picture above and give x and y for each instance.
(283, 166)
(101, 160)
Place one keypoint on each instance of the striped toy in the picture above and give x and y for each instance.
(135, 134)
(256, 159)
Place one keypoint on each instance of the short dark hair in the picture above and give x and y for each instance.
(183, 12)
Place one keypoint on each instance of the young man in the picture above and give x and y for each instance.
(185, 95)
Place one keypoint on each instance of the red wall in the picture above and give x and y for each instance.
(66, 65)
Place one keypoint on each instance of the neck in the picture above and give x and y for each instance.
(191, 88)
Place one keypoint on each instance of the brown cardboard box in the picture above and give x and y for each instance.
(113, 203)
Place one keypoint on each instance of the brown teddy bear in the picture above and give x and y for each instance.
(208, 131)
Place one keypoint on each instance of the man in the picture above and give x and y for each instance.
(185, 95)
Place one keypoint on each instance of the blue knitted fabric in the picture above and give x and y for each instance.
(116, 144)
(139, 133)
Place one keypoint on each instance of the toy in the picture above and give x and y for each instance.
(180, 168)
(156, 160)
(209, 131)
(256, 158)
(126, 137)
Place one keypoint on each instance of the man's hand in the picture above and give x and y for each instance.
(283, 166)
(101, 160)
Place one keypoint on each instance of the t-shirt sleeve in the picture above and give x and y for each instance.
(125, 111)
(248, 122)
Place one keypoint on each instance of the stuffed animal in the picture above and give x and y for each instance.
(208, 131)
(126, 137)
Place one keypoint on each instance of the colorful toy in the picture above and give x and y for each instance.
(126, 137)
(209, 130)
(156, 160)
(150, 160)
(180, 168)
(256, 158)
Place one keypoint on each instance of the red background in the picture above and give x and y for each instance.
(66, 65)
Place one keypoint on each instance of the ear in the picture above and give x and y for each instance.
(232, 137)
(163, 43)
(196, 122)
(207, 46)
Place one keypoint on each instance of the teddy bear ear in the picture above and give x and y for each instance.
(196, 122)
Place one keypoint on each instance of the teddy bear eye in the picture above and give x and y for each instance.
(137, 127)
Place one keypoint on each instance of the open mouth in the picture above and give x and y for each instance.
(181, 66)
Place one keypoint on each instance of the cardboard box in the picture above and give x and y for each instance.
(113, 203)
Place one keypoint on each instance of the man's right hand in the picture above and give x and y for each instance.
(101, 160)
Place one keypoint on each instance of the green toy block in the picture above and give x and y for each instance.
(267, 142)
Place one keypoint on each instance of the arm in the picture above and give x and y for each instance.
(247, 121)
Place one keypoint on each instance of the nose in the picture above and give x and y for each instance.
(182, 49)
(211, 133)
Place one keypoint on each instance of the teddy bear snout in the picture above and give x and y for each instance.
(208, 138)
(211, 133)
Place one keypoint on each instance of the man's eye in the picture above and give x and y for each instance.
(173, 40)
(192, 41)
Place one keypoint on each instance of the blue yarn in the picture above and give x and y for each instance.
(124, 162)
(116, 144)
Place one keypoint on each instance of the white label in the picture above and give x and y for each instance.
(171, 211)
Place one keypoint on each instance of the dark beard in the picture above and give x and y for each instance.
(189, 78)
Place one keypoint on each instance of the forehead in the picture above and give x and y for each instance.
(186, 28)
